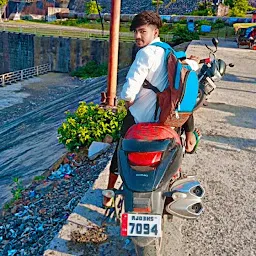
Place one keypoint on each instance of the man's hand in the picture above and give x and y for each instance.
(128, 104)
(195, 58)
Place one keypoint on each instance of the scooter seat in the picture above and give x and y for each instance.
(151, 131)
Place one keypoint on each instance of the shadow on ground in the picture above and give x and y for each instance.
(242, 116)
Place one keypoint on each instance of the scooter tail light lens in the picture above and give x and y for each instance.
(151, 159)
(142, 210)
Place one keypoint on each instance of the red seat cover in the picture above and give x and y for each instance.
(148, 132)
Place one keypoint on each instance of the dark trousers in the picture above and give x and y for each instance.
(129, 122)
(189, 126)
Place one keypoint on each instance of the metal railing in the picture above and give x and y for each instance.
(19, 75)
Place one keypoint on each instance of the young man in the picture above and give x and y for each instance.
(149, 64)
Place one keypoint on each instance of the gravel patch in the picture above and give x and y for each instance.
(31, 223)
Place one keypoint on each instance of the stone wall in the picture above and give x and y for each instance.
(19, 51)
(16, 51)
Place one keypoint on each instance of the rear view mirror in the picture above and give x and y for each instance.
(215, 42)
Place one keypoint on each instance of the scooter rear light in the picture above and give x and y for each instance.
(142, 210)
(151, 159)
(141, 203)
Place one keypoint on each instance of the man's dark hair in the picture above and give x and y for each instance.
(146, 18)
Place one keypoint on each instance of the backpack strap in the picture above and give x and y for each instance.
(179, 55)
(147, 85)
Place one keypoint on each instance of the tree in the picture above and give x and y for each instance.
(157, 3)
(91, 7)
(230, 3)
(240, 8)
(2, 4)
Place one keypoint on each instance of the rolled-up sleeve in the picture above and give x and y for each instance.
(137, 73)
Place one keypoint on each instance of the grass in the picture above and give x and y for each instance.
(41, 31)
(48, 31)
(39, 178)
(222, 33)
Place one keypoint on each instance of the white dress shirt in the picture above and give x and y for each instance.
(149, 64)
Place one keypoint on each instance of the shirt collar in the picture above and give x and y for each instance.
(155, 40)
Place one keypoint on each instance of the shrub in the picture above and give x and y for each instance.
(166, 28)
(205, 12)
(90, 123)
(182, 34)
(91, 7)
(218, 24)
(91, 69)
(182, 21)
(203, 22)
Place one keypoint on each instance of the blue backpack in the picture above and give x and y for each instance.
(178, 100)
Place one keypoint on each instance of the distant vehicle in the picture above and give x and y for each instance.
(246, 35)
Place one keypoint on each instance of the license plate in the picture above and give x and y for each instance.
(141, 225)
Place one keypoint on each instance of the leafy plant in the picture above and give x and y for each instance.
(17, 191)
(39, 178)
(218, 24)
(205, 12)
(91, 7)
(9, 204)
(240, 8)
(91, 69)
(166, 28)
(89, 123)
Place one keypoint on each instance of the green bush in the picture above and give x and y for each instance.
(90, 123)
(166, 28)
(205, 12)
(91, 69)
(91, 7)
(203, 22)
(218, 24)
(182, 34)
(182, 21)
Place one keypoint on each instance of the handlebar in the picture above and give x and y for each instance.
(205, 61)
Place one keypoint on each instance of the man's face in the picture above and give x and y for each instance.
(145, 34)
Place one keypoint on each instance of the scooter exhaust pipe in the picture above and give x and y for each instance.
(187, 194)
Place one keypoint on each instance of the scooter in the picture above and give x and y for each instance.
(154, 189)
(212, 71)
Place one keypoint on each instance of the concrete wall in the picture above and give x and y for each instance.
(16, 51)
(19, 51)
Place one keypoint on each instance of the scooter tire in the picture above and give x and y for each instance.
(173, 237)
(152, 249)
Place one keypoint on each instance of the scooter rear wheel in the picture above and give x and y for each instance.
(154, 248)
(172, 236)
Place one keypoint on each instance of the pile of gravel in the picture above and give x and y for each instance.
(30, 224)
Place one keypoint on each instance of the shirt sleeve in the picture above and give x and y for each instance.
(137, 73)
(193, 64)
